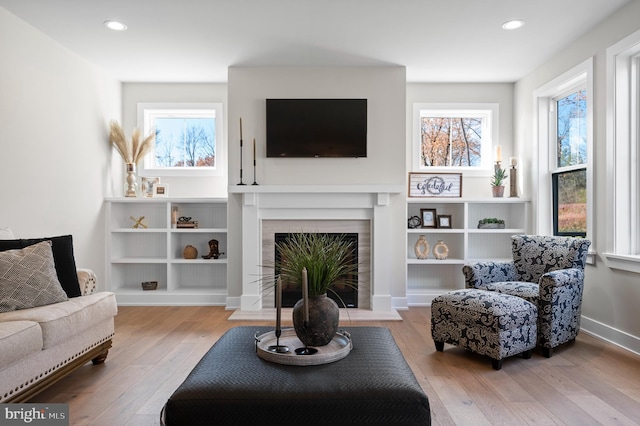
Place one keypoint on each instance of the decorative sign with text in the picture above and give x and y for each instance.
(435, 184)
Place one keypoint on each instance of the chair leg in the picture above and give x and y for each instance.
(439, 346)
(547, 352)
(527, 354)
(496, 364)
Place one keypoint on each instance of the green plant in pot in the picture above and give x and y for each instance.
(328, 259)
(497, 182)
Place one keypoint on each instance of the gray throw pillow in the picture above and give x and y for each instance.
(28, 278)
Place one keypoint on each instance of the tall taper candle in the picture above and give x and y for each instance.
(240, 128)
(305, 295)
(254, 151)
(278, 307)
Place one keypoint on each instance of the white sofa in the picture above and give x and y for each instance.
(40, 345)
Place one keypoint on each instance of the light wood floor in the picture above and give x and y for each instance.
(585, 382)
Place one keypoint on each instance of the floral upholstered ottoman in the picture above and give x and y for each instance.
(485, 322)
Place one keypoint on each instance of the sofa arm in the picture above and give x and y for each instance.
(88, 281)
(479, 274)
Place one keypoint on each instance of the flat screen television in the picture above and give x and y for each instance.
(316, 128)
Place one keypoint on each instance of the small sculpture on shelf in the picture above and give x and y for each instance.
(186, 222)
(421, 248)
(138, 222)
(213, 250)
(440, 250)
(414, 222)
(190, 252)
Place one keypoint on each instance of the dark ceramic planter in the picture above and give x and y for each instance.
(323, 321)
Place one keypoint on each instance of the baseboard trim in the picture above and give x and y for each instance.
(610, 334)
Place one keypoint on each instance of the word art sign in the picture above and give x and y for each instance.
(435, 184)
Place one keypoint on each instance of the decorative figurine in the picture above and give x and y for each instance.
(213, 250)
(138, 222)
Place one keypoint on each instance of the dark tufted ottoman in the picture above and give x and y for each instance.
(485, 322)
(231, 385)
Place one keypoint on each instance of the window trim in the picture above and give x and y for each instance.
(622, 249)
(489, 110)
(580, 75)
(221, 159)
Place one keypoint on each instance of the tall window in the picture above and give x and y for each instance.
(569, 177)
(454, 136)
(564, 135)
(188, 138)
(623, 154)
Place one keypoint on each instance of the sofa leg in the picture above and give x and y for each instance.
(439, 346)
(496, 364)
(547, 352)
(100, 359)
(527, 354)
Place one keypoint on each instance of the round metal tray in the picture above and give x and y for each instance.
(337, 349)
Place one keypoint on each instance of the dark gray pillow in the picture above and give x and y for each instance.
(28, 278)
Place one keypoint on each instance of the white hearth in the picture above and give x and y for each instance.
(318, 208)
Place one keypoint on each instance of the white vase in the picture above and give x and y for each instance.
(132, 181)
(440, 250)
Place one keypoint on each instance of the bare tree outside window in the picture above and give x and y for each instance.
(451, 141)
(185, 142)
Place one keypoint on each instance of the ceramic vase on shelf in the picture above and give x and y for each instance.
(132, 180)
(421, 248)
(324, 316)
(440, 250)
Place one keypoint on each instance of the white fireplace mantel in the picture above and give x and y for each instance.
(316, 203)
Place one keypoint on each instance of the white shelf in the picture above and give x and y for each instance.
(155, 253)
(427, 278)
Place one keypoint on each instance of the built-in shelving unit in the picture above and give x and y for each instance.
(154, 252)
(427, 278)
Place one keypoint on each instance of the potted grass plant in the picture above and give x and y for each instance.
(327, 260)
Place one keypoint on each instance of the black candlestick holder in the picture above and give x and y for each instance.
(241, 183)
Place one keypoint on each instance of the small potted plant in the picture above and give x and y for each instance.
(490, 223)
(497, 182)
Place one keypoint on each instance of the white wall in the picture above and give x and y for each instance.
(611, 297)
(54, 148)
(499, 93)
(179, 186)
(384, 87)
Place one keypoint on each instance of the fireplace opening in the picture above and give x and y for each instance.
(343, 295)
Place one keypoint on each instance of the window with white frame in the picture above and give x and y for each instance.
(188, 138)
(564, 132)
(623, 154)
(454, 136)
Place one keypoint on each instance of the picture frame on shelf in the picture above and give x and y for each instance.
(161, 190)
(435, 185)
(148, 186)
(444, 221)
(428, 217)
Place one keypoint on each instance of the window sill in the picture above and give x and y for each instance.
(624, 262)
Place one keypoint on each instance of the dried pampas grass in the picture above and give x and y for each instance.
(133, 150)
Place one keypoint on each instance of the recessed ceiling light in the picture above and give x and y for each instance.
(115, 25)
(513, 24)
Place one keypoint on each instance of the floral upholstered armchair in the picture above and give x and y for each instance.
(548, 272)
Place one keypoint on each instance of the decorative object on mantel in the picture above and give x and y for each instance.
(213, 250)
(414, 222)
(440, 250)
(241, 183)
(150, 285)
(513, 178)
(138, 222)
(132, 151)
(315, 262)
(190, 252)
(491, 223)
(421, 248)
(254, 162)
(497, 182)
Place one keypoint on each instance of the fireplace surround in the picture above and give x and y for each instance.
(365, 209)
